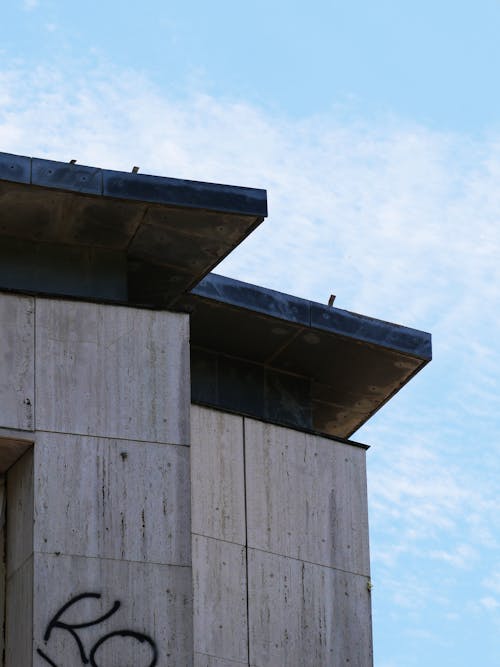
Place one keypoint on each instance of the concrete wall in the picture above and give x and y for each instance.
(102, 552)
(98, 520)
(280, 546)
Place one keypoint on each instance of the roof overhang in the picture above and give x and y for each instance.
(110, 236)
(157, 236)
(290, 360)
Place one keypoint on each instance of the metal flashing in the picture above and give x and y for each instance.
(84, 232)
(170, 232)
(333, 320)
(295, 362)
(179, 192)
(15, 168)
(72, 177)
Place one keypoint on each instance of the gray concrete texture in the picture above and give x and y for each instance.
(202, 660)
(306, 497)
(112, 372)
(220, 612)
(294, 566)
(124, 500)
(218, 475)
(155, 601)
(273, 567)
(98, 525)
(305, 615)
(17, 361)
(19, 563)
(19, 617)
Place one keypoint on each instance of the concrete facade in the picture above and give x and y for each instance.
(280, 558)
(98, 507)
(99, 523)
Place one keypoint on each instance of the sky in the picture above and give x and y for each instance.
(375, 128)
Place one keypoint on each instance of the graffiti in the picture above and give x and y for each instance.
(58, 623)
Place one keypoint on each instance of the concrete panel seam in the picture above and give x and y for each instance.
(310, 562)
(217, 539)
(117, 438)
(21, 565)
(329, 439)
(107, 558)
(139, 225)
(35, 383)
(217, 657)
(245, 496)
(16, 434)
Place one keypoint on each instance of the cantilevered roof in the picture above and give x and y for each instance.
(293, 361)
(157, 236)
(85, 232)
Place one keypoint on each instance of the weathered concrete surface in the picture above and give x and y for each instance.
(152, 595)
(112, 371)
(20, 513)
(306, 497)
(304, 500)
(122, 499)
(99, 507)
(19, 617)
(201, 660)
(305, 615)
(155, 601)
(217, 473)
(17, 343)
(16, 550)
(219, 538)
(106, 512)
(220, 603)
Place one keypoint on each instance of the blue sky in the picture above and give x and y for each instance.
(375, 128)
(432, 62)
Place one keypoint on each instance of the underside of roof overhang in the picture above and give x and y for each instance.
(84, 231)
(149, 241)
(293, 361)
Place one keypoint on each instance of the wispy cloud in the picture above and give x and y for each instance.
(29, 5)
(463, 556)
(489, 603)
(492, 581)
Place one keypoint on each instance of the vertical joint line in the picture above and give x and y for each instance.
(33, 407)
(35, 347)
(246, 534)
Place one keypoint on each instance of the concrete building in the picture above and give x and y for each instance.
(179, 486)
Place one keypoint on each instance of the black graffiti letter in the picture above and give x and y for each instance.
(46, 658)
(125, 633)
(72, 627)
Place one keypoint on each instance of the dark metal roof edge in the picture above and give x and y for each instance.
(133, 186)
(301, 429)
(303, 312)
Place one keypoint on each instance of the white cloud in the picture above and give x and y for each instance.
(462, 556)
(452, 616)
(492, 581)
(29, 5)
(489, 603)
